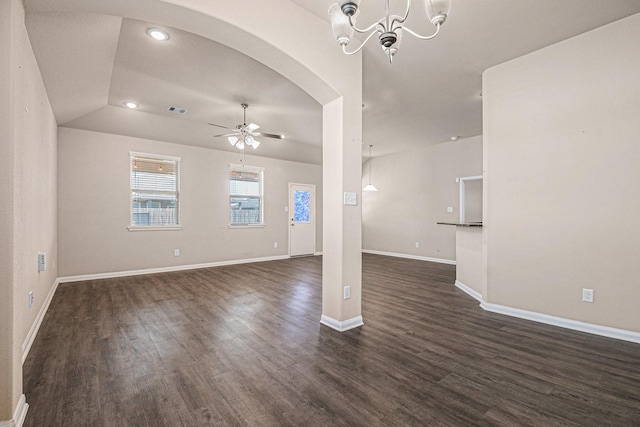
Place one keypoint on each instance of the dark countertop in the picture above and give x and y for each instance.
(462, 224)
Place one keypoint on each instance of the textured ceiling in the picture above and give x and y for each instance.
(92, 63)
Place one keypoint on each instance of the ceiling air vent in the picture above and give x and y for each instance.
(177, 110)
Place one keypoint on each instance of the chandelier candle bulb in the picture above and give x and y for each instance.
(340, 24)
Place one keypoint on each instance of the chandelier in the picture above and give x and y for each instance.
(389, 29)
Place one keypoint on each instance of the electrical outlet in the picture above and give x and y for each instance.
(347, 292)
(176, 252)
(417, 245)
(449, 209)
(275, 245)
(30, 299)
(587, 295)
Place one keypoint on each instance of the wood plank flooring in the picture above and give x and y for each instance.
(242, 345)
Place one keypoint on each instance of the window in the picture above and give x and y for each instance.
(245, 195)
(154, 191)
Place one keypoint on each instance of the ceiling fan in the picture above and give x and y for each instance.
(245, 134)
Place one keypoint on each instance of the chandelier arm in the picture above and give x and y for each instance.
(404, 18)
(413, 33)
(344, 47)
(358, 30)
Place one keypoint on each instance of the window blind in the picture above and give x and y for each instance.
(245, 195)
(154, 191)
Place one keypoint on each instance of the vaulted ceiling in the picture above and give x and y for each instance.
(91, 64)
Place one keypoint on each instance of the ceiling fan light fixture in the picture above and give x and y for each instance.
(245, 134)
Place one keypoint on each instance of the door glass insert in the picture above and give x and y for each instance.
(302, 206)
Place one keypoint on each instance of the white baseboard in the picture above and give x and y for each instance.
(111, 275)
(31, 336)
(19, 415)
(475, 294)
(341, 326)
(590, 328)
(419, 258)
(21, 411)
(576, 325)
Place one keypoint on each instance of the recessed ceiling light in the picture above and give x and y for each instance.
(131, 105)
(158, 34)
(455, 138)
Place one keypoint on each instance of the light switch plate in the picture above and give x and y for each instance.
(350, 199)
(587, 295)
(42, 262)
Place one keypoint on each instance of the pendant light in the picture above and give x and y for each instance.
(370, 186)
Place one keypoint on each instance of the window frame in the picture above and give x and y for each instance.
(253, 169)
(132, 157)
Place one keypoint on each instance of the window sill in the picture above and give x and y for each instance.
(247, 226)
(154, 228)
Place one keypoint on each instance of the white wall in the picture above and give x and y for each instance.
(414, 190)
(94, 208)
(28, 194)
(562, 178)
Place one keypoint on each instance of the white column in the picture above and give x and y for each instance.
(342, 221)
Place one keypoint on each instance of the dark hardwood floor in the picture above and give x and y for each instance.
(242, 345)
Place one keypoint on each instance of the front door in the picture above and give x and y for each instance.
(302, 219)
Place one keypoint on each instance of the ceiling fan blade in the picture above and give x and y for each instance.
(252, 127)
(220, 126)
(225, 134)
(269, 135)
